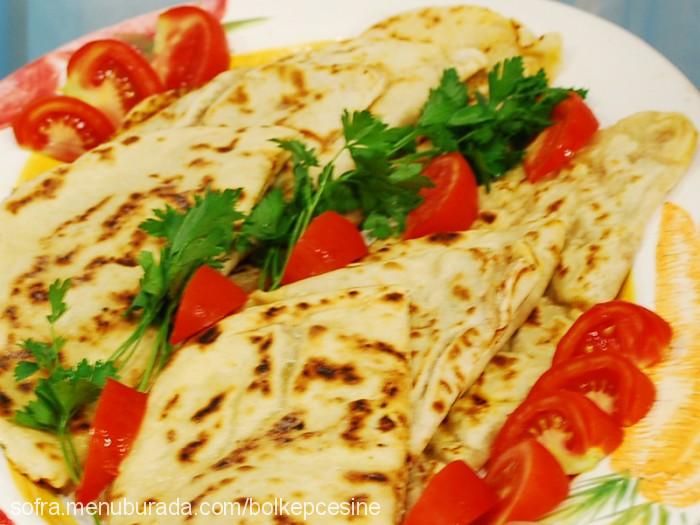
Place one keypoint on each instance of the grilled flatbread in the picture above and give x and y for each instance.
(305, 400)
(465, 26)
(469, 292)
(606, 198)
(81, 222)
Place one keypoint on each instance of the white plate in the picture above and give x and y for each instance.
(623, 74)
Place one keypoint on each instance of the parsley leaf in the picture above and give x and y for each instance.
(202, 234)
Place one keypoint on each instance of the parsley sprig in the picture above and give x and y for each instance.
(200, 235)
(64, 391)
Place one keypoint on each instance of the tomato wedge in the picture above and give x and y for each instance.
(454, 496)
(61, 127)
(330, 242)
(190, 47)
(5, 520)
(610, 380)
(617, 326)
(118, 417)
(208, 298)
(568, 424)
(111, 75)
(573, 128)
(529, 481)
(451, 204)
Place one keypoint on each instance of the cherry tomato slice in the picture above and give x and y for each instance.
(617, 326)
(454, 496)
(573, 128)
(330, 242)
(451, 204)
(610, 380)
(190, 47)
(61, 127)
(529, 481)
(118, 417)
(111, 75)
(568, 424)
(208, 298)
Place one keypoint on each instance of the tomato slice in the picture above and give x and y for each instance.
(574, 125)
(61, 127)
(118, 417)
(330, 242)
(111, 75)
(617, 326)
(4, 519)
(610, 380)
(207, 299)
(568, 424)
(190, 47)
(451, 204)
(454, 496)
(529, 482)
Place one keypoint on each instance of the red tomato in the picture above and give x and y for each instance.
(610, 380)
(529, 481)
(454, 496)
(617, 326)
(208, 297)
(573, 128)
(330, 242)
(572, 428)
(190, 47)
(118, 417)
(35, 80)
(111, 75)
(451, 204)
(5, 520)
(62, 127)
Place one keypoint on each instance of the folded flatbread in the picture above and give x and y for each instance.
(305, 400)
(469, 291)
(81, 221)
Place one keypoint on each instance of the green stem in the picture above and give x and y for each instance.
(159, 352)
(70, 455)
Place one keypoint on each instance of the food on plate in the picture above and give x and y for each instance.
(313, 405)
(190, 47)
(482, 286)
(64, 224)
(111, 76)
(426, 218)
(662, 449)
(61, 127)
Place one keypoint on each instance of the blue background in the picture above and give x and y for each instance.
(29, 28)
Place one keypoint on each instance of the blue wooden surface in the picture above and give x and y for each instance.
(29, 28)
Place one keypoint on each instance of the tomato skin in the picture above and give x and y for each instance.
(190, 47)
(330, 242)
(36, 80)
(118, 417)
(4, 519)
(574, 125)
(45, 124)
(208, 297)
(568, 413)
(530, 482)
(454, 496)
(632, 391)
(617, 326)
(451, 204)
(111, 75)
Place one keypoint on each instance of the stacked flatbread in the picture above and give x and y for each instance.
(331, 389)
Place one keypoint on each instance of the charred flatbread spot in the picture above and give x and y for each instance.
(488, 217)
(210, 408)
(229, 146)
(5, 405)
(199, 162)
(444, 238)
(555, 206)
(171, 435)
(362, 477)
(210, 335)
(46, 190)
(37, 293)
(502, 361)
(316, 330)
(393, 297)
(460, 292)
(478, 400)
(106, 153)
(284, 429)
(169, 406)
(263, 367)
(186, 453)
(11, 313)
(131, 140)
(273, 312)
(386, 424)
(318, 368)
(439, 406)
(390, 389)
(303, 305)
(359, 411)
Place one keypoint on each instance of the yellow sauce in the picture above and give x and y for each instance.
(35, 166)
(45, 502)
(627, 292)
